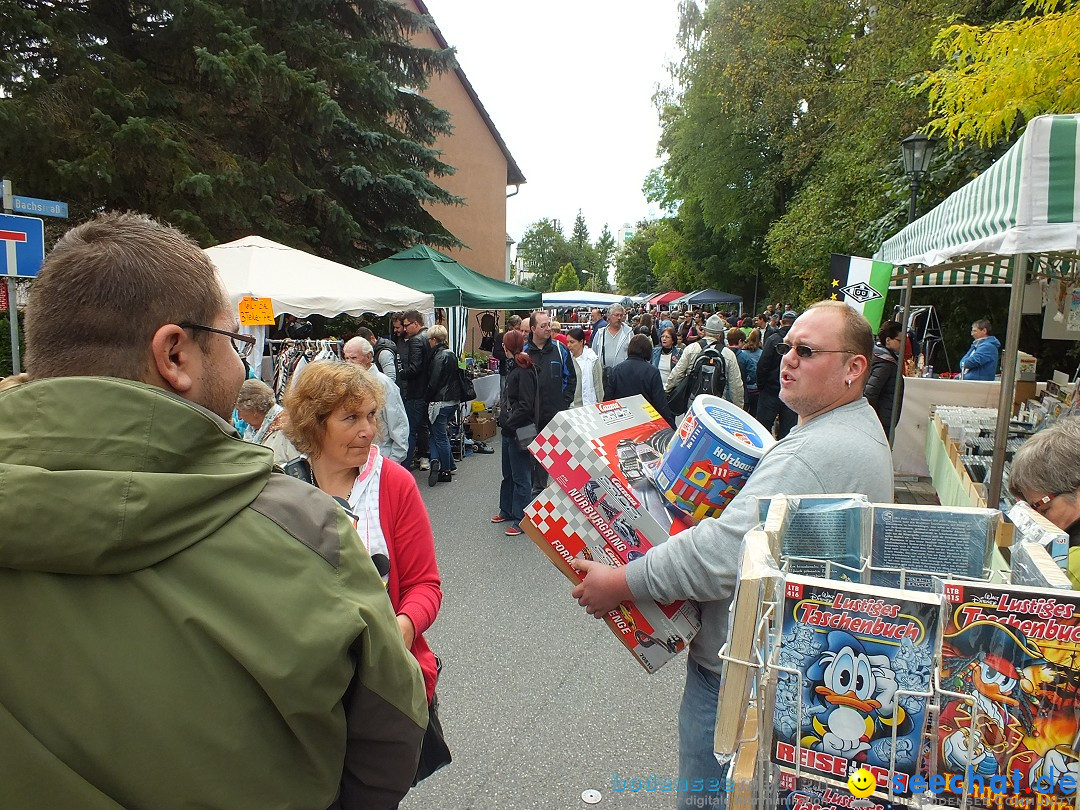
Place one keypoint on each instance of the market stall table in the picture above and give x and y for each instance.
(487, 389)
(920, 393)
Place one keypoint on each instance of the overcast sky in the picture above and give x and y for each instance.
(569, 86)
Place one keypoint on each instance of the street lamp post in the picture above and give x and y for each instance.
(917, 151)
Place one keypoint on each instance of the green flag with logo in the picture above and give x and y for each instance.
(861, 284)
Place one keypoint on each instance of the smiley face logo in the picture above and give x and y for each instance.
(861, 783)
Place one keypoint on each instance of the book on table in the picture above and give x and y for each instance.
(854, 671)
(1010, 705)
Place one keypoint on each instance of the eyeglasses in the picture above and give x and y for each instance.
(1039, 504)
(806, 352)
(242, 343)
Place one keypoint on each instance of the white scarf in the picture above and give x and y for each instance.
(364, 504)
(585, 362)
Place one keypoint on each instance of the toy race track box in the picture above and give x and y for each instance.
(654, 634)
(605, 458)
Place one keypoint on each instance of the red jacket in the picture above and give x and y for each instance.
(414, 585)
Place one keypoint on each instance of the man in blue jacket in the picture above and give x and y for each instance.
(981, 360)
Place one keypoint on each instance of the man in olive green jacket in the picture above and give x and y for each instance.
(180, 626)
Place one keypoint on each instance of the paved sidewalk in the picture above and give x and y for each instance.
(915, 491)
(539, 701)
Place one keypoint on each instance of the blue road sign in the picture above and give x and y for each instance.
(22, 245)
(40, 208)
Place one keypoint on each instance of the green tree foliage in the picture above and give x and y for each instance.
(582, 253)
(544, 250)
(566, 279)
(579, 237)
(1000, 75)
(300, 121)
(633, 267)
(782, 132)
(605, 257)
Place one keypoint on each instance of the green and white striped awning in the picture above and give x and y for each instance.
(1027, 202)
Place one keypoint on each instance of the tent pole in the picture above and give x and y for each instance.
(1008, 379)
(909, 282)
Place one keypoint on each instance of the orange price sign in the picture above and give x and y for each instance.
(256, 311)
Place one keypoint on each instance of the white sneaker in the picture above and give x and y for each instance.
(423, 465)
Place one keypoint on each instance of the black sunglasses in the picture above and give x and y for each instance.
(242, 343)
(806, 351)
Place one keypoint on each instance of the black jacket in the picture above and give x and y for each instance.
(442, 381)
(519, 399)
(637, 376)
(414, 365)
(498, 351)
(556, 379)
(768, 365)
(881, 385)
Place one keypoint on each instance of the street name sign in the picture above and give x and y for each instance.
(40, 208)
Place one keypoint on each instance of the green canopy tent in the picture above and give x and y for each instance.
(454, 286)
(1020, 217)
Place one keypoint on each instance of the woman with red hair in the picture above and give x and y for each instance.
(518, 408)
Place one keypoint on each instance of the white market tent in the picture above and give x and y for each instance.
(1019, 217)
(303, 284)
(581, 298)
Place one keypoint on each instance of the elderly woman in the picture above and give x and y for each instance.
(333, 409)
(1046, 474)
(590, 375)
(266, 420)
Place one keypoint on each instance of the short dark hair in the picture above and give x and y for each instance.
(577, 333)
(107, 286)
(412, 315)
(640, 346)
(889, 330)
(366, 334)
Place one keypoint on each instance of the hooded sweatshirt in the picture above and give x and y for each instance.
(181, 627)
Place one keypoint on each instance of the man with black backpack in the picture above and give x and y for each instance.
(707, 366)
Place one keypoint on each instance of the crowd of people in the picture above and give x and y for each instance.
(174, 553)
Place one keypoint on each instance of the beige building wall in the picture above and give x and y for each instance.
(483, 166)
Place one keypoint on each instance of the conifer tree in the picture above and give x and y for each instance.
(297, 120)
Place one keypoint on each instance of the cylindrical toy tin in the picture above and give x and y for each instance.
(710, 457)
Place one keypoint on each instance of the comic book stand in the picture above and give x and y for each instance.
(765, 657)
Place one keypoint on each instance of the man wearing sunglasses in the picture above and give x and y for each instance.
(180, 624)
(837, 447)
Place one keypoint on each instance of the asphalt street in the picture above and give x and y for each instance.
(539, 701)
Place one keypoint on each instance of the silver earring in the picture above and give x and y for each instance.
(849, 383)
